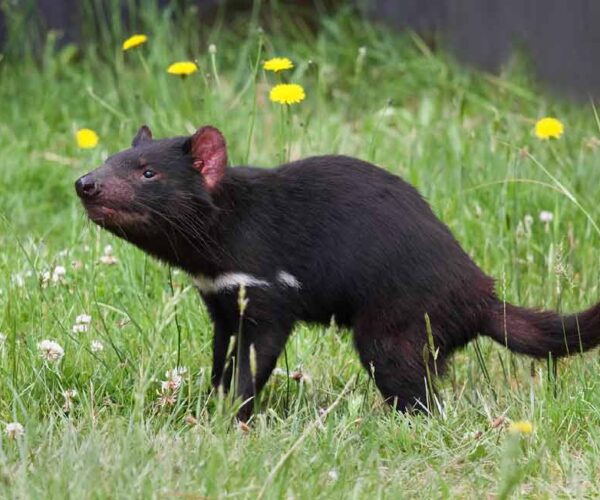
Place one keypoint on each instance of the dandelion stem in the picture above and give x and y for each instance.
(213, 64)
(254, 104)
(144, 63)
(105, 105)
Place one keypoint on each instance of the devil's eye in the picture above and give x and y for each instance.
(148, 174)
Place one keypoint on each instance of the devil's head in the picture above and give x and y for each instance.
(158, 188)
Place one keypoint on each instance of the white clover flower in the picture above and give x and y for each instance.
(51, 350)
(167, 400)
(386, 112)
(82, 323)
(297, 375)
(80, 328)
(96, 346)
(44, 278)
(18, 280)
(83, 318)
(69, 395)
(60, 271)
(333, 475)
(176, 372)
(14, 430)
(546, 216)
(170, 385)
(108, 258)
(300, 376)
(212, 48)
(58, 274)
(174, 379)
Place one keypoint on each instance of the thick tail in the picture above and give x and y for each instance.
(539, 333)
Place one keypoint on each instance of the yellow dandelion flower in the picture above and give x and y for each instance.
(86, 138)
(287, 93)
(278, 64)
(134, 41)
(549, 127)
(520, 427)
(182, 68)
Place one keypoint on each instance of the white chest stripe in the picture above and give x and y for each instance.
(288, 279)
(231, 281)
(228, 281)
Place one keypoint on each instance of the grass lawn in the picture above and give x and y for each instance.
(464, 139)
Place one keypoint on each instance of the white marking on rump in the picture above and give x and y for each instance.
(288, 279)
(228, 281)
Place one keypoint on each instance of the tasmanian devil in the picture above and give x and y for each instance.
(328, 236)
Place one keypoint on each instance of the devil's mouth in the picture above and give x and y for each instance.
(104, 215)
(99, 213)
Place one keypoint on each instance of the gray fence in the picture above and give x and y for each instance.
(562, 37)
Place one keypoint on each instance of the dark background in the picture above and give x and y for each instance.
(561, 37)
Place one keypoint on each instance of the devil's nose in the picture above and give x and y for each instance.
(86, 187)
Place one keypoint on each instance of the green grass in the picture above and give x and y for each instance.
(464, 139)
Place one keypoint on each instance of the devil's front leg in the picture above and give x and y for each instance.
(263, 330)
(224, 344)
(261, 341)
(225, 326)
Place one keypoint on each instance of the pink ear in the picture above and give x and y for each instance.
(210, 155)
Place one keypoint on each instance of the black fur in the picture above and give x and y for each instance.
(363, 244)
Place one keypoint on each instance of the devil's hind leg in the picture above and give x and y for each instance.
(393, 355)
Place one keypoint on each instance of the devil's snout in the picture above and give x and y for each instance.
(87, 187)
